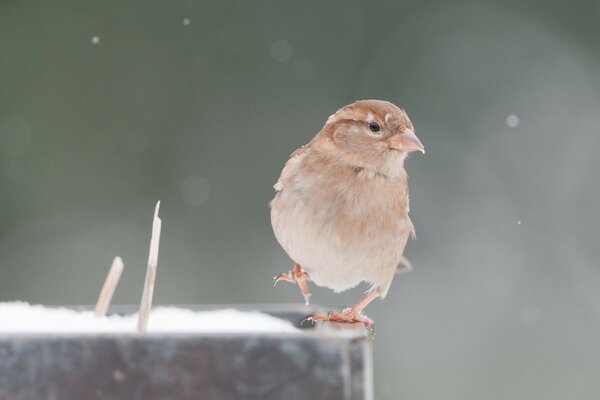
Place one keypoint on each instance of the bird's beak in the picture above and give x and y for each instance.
(406, 141)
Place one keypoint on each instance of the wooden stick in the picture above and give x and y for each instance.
(146, 304)
(110, 284)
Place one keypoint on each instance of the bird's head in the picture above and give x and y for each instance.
(371, 134)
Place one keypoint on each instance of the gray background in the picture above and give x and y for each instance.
(504, 300)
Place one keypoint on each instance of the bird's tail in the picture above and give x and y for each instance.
(404, 266)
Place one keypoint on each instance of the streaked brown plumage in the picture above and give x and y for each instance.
(341, 207)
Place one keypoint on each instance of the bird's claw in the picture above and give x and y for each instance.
(286, 276)
(347, 316)
(298, 276)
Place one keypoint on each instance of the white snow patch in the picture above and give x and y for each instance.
(21, 317)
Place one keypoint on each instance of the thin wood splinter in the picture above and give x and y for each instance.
(146, 304)
(108, 289)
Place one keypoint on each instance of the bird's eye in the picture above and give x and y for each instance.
(374, 127)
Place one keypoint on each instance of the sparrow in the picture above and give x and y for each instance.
(341, 205)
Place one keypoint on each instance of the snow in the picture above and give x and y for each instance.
(281, 50)
(21, 317)
(530, 314)
(195, 190)
(513, 121)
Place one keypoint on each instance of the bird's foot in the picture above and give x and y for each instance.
(347, 316)
(297, 275)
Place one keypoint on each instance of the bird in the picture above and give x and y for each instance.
(341, 206)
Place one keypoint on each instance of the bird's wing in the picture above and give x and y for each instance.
(291, 166)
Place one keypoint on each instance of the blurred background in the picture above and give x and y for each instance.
(106, 108)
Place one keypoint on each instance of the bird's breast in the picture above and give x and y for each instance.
(344, 227)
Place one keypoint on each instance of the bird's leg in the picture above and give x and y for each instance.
(297, 275)
(350, 314)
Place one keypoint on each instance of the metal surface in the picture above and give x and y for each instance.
(319, 363)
